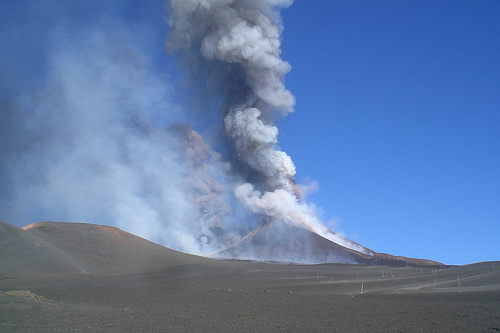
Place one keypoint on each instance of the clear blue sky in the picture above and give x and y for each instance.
(398, 119)
(397, 115)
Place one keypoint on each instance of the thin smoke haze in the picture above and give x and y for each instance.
(98, 136)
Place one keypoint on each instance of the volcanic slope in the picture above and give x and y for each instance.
(99, 249)
(55, 247)
(23, 253)
(283, 242)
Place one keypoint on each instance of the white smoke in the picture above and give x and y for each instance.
(87, 148)
(284, 206)
(96, 137)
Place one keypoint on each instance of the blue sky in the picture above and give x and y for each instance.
(397, 115)
(398, 119)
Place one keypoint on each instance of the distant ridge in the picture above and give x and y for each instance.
(79, 248)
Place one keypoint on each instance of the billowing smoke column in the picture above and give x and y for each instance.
(239, 41)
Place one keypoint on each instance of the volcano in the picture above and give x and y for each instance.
(282, 242)
(69, 248)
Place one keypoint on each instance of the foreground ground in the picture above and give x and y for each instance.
(97, 279)
(258, 297)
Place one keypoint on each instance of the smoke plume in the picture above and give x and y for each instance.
(91, 130)
(239, 41)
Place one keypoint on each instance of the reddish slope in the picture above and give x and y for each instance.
(107, 250)
(22, 253)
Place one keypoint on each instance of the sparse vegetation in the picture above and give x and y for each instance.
(27, 294)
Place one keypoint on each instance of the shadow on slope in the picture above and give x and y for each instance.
(23, 253)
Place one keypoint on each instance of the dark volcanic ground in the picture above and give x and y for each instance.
(78, 277)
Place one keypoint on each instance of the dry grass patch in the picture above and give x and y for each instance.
(27, 294)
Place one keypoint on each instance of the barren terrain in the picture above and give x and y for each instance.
(57, 277)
